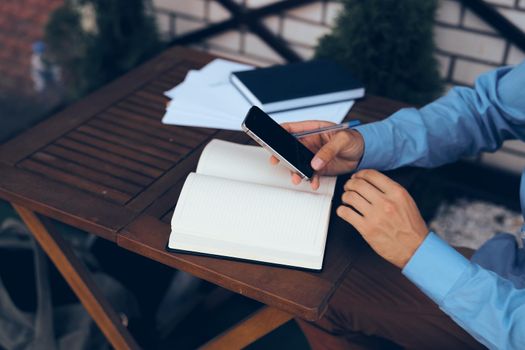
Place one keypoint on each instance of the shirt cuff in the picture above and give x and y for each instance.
(435, 267)
(376, 136)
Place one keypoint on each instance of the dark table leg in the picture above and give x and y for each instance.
(79, 279)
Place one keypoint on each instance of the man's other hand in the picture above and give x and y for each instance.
(385, 215)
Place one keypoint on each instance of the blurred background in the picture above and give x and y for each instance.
(58, 50)
(54, 52)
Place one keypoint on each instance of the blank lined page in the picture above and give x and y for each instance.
(251, 164)
(251, 214)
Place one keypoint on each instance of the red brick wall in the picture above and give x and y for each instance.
(22, 22)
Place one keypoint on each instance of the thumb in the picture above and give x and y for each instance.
(324, 155)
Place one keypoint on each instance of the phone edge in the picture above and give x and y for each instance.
(264, 145)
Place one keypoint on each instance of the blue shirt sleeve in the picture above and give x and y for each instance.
(490, 308)
(463, 123)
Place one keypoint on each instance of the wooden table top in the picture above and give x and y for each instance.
(107, 165)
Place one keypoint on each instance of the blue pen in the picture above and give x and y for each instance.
(347, 125)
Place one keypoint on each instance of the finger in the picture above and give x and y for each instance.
(350, 216)
(328, 152)
(274, 160)
(377, 179)
(296, 179)
(357, 201)
(316, 182)
(305, 126)
(368, 191)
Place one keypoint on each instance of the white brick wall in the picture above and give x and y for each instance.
(460, 35)
(501, 2)
(473, 47)
(230, 40)
(466, 72)
(256, 3)
(164, 25)
(449, 11)
(217, 12)
(301, 27)
(516, 17)
(332, 11)
(273, 23)
(472, 42)
(252, 43)
(477, 46)
(466, 45)
(472, 21)
(194, 8)
(515, 55)
(444, 64)
(183, 25)
(309, 12)
(301, 32)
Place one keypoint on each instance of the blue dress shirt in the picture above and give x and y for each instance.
(485, 295)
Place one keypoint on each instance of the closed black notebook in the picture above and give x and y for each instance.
(297, 85)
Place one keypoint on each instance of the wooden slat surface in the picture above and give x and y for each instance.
(107, 149)
(84, 109)
(109, 166)
(123, 148)
(107, 156)
(61, 202)
(130, 144)
(83, 171)
(75, 181)
(302, 293)
(125, 152)
(97, 164)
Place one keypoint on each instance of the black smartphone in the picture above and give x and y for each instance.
(279, 142)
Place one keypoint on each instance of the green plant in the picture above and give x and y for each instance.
(388, 44)
(94, 41)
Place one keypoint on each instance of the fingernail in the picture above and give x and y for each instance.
(317, 163)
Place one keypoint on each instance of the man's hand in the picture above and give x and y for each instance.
(385, 215)
(335, 152)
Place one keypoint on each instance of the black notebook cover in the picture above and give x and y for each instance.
(296, 81)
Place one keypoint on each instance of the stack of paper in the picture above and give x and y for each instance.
(206, 98)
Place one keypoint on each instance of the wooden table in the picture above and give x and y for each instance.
(108, 166)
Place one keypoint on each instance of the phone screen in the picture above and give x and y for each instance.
(281, 141)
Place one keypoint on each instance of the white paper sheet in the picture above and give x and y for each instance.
(333, 113)
(206, 98)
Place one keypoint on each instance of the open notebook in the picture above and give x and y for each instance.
(237, 205)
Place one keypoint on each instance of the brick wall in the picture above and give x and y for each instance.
(466, 46)
(300, 27)
(22, 23)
